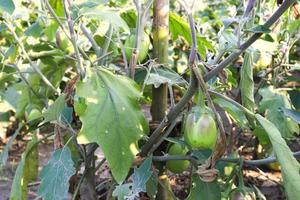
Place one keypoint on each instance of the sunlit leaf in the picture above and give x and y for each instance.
(112, 118)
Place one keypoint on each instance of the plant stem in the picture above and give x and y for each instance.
(263, 161)
(80, 69)
(88, 35)
(52, 12)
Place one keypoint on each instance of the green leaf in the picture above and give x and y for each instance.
(21, 178)
(289, 165)
(50, 30)
(235, 113)
(164, 75)
(34, 30)
(141, 175)
(259, 29)
(151, 187)
(54, 112)
(7, 6)
(130, 18)
(112, 118)
(56, 174)
(204, 190)
(179, 27)
(271, 104)
(140, 178)
(247, 83)
(293, 26)
(9, 100)
(293, 114)
(58, 7)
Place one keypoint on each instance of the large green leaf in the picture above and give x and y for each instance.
(271, 104)
(22, 177)
(204, 190)
(7, 6)
(56, 174)
(112, 118)
(289, 165)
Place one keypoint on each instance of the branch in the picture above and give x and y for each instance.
(80, 69)
(95, 46)
(193, 159)
(142, 11)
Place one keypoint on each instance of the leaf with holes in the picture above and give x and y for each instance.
(112, 118)
(56, 174)
(289, 165)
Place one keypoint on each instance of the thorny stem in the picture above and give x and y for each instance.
(175, 111)
(142, 11)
